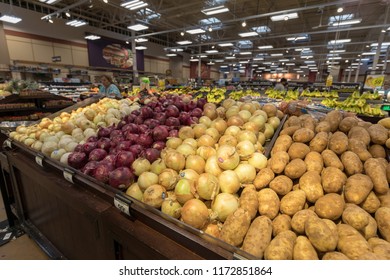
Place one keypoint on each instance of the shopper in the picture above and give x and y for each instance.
(108, 88)
(282, 85)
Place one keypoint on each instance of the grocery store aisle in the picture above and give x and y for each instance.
(21, 248)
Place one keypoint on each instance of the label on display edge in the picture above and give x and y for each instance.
(122, 205)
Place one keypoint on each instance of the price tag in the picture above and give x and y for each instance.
(122, 205)
(68, 175)
(39, 160)
(7, 143)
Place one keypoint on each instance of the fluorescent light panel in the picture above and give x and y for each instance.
(134, 4)
(258, 58)
(340, 41)
(347, 22)
(48, 1)
(215, 10)
(76, 23)
(195, 31)
(297, 38)
(171, 54)
(276, 54)
(248, 34)
(186, 42)
(282, 17)
(140, 48)
(141, 40)
(337, 51)
(212, 51)
(92, 37)
(265, 47)
(225, 44)
(245, 53)
(137, 27)
(230, 57)
(369, 53)
(10, 19)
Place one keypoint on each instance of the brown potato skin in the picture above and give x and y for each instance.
(371, 203)
(299, 219)
(338, 142)
(357, 188)
(334, 118)
(371, 229)
(263, 178)
(323, 126)
(377, 151)
(319, 142)
(304, 250)
(330, 206)
(292, 202)
(289, 130)
(298, 150)
(334, 256)
(320, 234)
(378, 134)
(352, 163)
(382, 217)
(331, 159)
(333, 179)
(282, 143)
(269, 203)
(281, 184)
(358, 147)
(235, 227)
(281, 247)
(248, 200)
(380, 247)
(303, 135)
(281, 223)
(384, 199)
(375, 170)
(351, 243)
(295, 168)
(347, 123)
(310, 183)
(355, 216)
(360, 133)
(279, 161)
(258, 236)
(314, 162)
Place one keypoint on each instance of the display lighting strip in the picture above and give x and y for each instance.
(76, 23)
(177, 50)
(10, 19)
(137, 27)
(230, 57)
(284, 17)
(92, 37)
(347, 22)
(369, 53)
(196, 31)
(134, 4)
(258, 58)
(140, 40)
(215, 10)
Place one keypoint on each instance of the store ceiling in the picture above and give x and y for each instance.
(318, 21)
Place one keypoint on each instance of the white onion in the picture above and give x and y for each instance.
(233, 130)
(146, 179)
(274, 121)
(206, 152)
(196, 163)
(199, 130)
(232, 111)
(228, 157)
(248, 106)
(158, 166)
(245, 115)
(154, 195)
(184, 190)
(229, 182)
(224, 204)
(64, 158)
(227, 103)
(175, 160)
(186, 132)
(246, 173)
(205, 120)
(206, 140)
(268, 131)
(261, 138)
(174, 142)
(212, 166)
(186, 150)
(189, 174)
(194, 213)
(247, 135)
(235, 120)
(168, 179)
(213, 132)
(171, 208)
(259, 120)
(140, 165)
(207, 186)
(192, 142)
(228, 140)
(245, 149)
(220, 125)
(135, 192)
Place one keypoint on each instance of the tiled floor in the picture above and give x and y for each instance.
(21, 248)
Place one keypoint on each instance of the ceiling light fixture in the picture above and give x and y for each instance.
(127, 42)
(340, 41)
(140, 40)
(10, 19)
(67, 13)
(276, 54)
(185, 42)
(340, 10)
(211, 51)
(182, 33)
(48, 1)
(337, 51)
(369, 53)
(141, 48)
(297, 38)
(92, 37)
(347, 22)
(171, 54)
(195, 31)
(210, 29)
(75, 23)
(248, 34)
(105, 1)
(265, 47)
(137, 27)
(284, 16)
(134, 4)
(215, 10)
(243, 23)
(225, 44)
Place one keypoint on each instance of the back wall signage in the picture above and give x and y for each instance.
(113, 54)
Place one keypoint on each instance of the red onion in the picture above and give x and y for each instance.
(92, 139)
(152, 104)
(113, 150)
(124, 158)
(104, 132)
(197, 112)
(151, 154)
(139, 120)
(173, 133)
(185, 118)
(132, 127)
(151, 123)
(121, 178)
(160, 133)
(172, 111)
(201, 102)
(115, 133)
(104, 143)
(90, 167)
(79, 148)
(116, 140)
(136, 112)
(143, 128)
(171, 121)
(102, 172)
(146, 112)
(190, 106)
(129, 118)
(160, 117)
(145, 140)
(97, 155)
(110, 159)
(77, 159)
(179, 104)
(158, 109)
(136, 149)
(121, 124)
(133, 138)
(159, 145)
(124, 145)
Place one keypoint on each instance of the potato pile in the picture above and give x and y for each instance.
(324, 193)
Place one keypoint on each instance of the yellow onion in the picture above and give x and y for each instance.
(223, 205)
(205, 152)
(232, 130)
(135, 192)
(257, 105)
(261, 113)
(166, 151)
(261, 138)
(221, 112)
(192, 142)
(199, 130)
(140, 165)
(274, 121)
(213, 132)
(211, 113)
(212, 229)
(186, 132)
(248, 106)
(251, 126)
(212, 166)
(154, 195)
(246, 173)
(171, 208)
(258, 120)
(196, 163)
(229, 182)
(227, 103)
(184, 190)
(210, 106)
(146, 179)
(247, 135)
(206, 140)
(189, 174)
(268, 131)
(245, 149)
(228, 158)
(158, 166)
(258, 160)
(228, 140)
(168, 179)
(270, 109)
(194, 213)
(174, 142)
(175, 160)
(207, 186)
(67, 127)
(205, 120)
(186, 150)
(220, 125)
(245, 115)
(232, 111)
(235, 120)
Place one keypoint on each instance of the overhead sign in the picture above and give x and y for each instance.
(56, 58)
